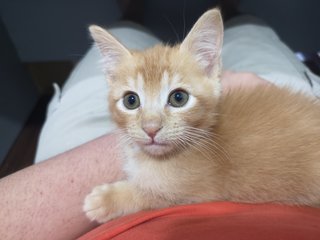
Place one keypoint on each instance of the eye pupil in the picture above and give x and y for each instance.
(178, 97)
(131, 99)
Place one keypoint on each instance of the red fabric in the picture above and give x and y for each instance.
(219, 221)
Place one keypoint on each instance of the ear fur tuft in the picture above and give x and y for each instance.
(111, 49)
(204, 41)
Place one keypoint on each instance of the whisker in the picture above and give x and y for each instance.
(203, 139)
(172, 27)
(184, 19)
(198, 147)
(210, 142)
(208, 137)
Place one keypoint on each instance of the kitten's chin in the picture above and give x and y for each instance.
(156, 150)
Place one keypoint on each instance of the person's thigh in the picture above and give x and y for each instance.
(251, 46)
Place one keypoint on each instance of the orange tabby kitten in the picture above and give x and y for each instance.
(185, 143)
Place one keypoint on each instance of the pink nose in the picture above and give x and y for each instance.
(151, 125)
(151, 131)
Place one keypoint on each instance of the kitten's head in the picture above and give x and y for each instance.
(165, 97)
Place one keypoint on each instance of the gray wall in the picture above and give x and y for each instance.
(46, 30)
(296, 21)
(57, 29)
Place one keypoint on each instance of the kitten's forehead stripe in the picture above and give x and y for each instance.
(131, 83)
(176, 79)
(168, 84)
(152, 66)
(139, 82)
(155, 67)
(165, 78)
(140, 89)
(164, 90)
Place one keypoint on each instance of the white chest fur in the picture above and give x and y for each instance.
(152, 176)
(173, 179)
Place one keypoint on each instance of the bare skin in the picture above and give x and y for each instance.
(232, 80)
(45, 200)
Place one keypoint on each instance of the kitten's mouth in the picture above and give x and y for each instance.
(153, 143)
(156, 148)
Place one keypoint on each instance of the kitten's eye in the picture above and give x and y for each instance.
(131, 101)
(178, 98)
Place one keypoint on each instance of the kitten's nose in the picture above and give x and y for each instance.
(151, 130)
(152, 127)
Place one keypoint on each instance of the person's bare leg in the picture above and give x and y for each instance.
(45, 201)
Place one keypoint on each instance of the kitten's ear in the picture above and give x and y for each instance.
(111, 49)
(204, 42)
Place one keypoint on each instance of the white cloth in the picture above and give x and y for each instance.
(79, 113)
(252, 46)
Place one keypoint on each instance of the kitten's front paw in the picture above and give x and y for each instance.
(100, 204)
